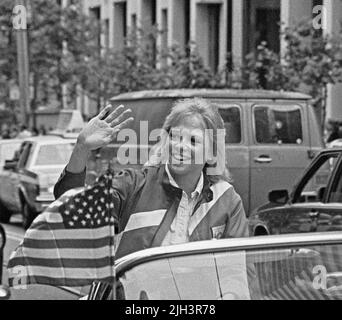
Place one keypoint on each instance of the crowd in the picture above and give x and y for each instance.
(21, 131)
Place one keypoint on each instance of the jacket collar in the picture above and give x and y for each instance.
(171, 190)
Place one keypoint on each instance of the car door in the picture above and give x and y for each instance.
(280, 148)
(275, 268)
(16, 176)
(10, 182)
(329, 216)
(309, 196)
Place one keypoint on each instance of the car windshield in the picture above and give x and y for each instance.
(286, 273)
(54, 154)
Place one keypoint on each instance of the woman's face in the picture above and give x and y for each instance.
(186, 142)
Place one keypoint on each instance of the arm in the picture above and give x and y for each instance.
(74, 174)
(99, 132)
(237, 225)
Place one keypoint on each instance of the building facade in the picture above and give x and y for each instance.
(217, 26)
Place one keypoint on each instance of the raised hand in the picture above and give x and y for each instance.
(103, 129)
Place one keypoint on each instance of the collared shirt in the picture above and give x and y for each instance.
(178, 232)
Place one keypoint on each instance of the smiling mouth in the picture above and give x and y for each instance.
(180, 159)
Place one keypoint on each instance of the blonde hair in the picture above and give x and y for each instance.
(212, 120)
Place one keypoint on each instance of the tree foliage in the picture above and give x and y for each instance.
(65, 49)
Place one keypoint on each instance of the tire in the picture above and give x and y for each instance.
(5, 214)
(28, 215)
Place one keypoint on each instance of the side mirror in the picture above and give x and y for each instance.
(278, 196)
(10, 165)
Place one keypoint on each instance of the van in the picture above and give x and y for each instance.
(271, 136)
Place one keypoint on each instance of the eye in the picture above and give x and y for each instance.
(193, 141)
(174, 135)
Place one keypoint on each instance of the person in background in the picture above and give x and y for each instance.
(42, 130)
(24, 132)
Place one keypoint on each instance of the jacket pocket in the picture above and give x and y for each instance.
(217, 232)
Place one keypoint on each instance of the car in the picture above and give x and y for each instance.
(282, 267)
(4, 292)
(26, 182)
(7, 149)
(271, 134)
(335, 144)
(314, 204)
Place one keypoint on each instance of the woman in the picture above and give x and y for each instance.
(178, 196)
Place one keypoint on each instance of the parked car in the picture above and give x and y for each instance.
(283, 267)
(314, 205)
(8, 148)
(26, 182)
(335, 144)
(4, 292)
(268, 134)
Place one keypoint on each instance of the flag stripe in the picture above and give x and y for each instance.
(57, 233)
(58, 282)
(66, 273)
(95, 253)
(69, 243)
(67, 263)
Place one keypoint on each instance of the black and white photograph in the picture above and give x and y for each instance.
(181, 151)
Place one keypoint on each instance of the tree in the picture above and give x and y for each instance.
(311, 62)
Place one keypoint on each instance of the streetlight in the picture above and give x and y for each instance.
(20, 26)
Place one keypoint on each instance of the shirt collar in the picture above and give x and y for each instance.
(198, 188)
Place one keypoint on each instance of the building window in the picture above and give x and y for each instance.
(120, 24)
(95, 12)
(262, 24)
(106, 33)
(134, 25)
(164, 29)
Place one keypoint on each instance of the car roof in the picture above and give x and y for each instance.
(4, 141)
(212, 93)
(232, 244)
(330, 150)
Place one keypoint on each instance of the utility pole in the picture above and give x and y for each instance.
(20, 27)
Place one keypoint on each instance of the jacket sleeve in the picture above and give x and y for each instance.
(68, 180)
(237, 226)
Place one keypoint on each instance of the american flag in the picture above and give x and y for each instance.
(71, 244)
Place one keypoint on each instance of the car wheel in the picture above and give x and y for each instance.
(28, 215)
(5, 214)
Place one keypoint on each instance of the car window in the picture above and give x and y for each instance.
(288, 273)
(336, 189)
(278, 124)
(317, 180)
(23, 154)
(232, 122)
(54, 154)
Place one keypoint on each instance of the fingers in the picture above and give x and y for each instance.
(105, 112)
(122, 124)
(116, 121)
(115, 114)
